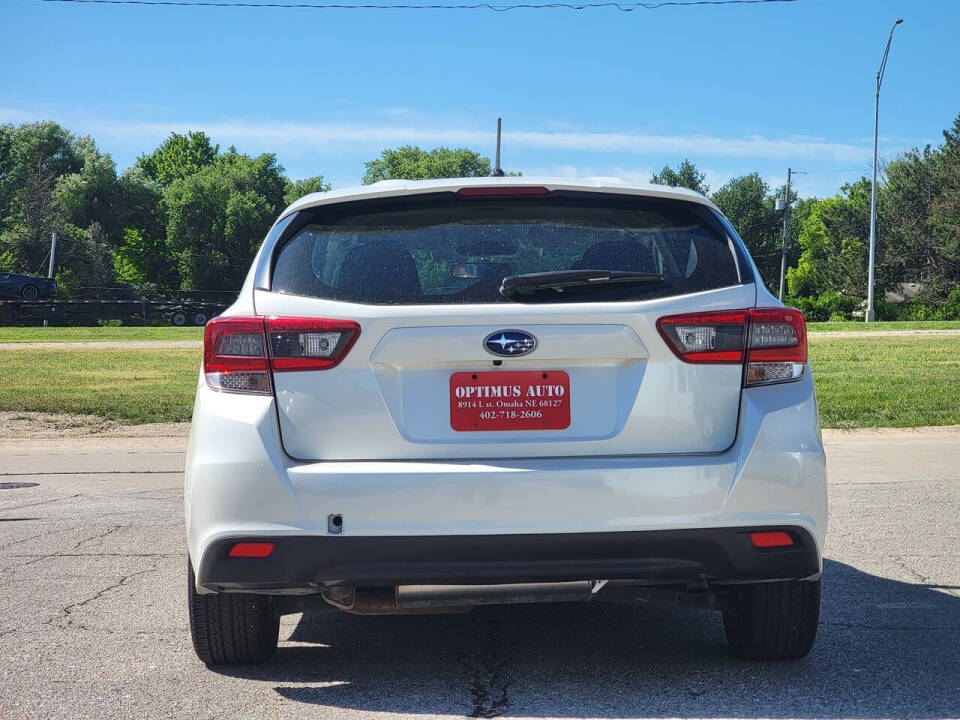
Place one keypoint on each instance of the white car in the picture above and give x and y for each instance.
(441, 394)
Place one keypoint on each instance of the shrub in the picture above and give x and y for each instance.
(829, 306)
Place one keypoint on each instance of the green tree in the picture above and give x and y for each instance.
(411, 163)
(34, 157)
(748, 204)
(93, 194)
(178, 157)
(143, 258)
(296, 189)
(686, 175)
(218, 216)
(833, 244)
(919, 219)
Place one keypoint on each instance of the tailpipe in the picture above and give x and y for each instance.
(430, 596)
(424, 599)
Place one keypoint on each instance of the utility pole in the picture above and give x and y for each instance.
(783, 244)
(53, 255)
(53, 262)
(870, 315)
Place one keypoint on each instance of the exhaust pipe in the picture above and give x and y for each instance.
(431, 596)
(423, 599)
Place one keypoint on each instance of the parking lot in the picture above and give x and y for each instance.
(93, 619)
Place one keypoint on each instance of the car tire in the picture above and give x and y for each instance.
(231, 628)
(30, 292)
(200, 319)
(773, 621)
(179, 318)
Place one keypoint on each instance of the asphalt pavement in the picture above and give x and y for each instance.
(93, 618)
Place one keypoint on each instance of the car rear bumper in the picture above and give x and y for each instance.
(586, 511)
(301, 564)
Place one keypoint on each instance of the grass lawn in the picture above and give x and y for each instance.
(91, 334)
(130, 385)
(876, 326)
(894, 381)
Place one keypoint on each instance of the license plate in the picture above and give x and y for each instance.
(510, 400)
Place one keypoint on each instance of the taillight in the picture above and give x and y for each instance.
(777, 349)
(309, 343)
(710, 337)
(235, 355)
(772, 342)
(240, 352)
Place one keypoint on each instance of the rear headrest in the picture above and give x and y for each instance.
(382, 270)
(617, 255)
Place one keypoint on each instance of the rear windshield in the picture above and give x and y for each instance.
(449, 251)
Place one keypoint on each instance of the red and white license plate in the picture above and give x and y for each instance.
(510, 400)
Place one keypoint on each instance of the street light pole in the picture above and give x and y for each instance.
(870, 315)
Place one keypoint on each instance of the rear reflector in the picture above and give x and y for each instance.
(772, 342)
(239, 353)
(252, 550)
(504, 191)
(771, 539)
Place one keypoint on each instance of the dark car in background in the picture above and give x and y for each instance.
(25, 287)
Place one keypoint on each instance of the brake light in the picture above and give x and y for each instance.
(235, 355)
(504, 191)
(772, 342)
(239, 353)
(777, 347)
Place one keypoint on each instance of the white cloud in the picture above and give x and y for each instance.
(346, 136)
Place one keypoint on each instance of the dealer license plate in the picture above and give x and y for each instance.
(510, 400)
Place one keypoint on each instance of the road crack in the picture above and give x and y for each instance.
(66, 612)
(99, 536)
(35, 558)
(910, 571)
(489, 668)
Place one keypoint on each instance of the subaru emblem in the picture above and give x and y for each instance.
(509, 342)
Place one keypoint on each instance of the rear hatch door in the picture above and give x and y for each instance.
(446, 366)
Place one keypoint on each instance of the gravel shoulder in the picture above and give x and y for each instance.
(103, 345)
(877, 333)
(34, 429)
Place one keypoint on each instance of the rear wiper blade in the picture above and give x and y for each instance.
(529, 283)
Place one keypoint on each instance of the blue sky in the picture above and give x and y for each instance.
(596, 92)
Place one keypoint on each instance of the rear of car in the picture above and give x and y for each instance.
(435, 395)
(26, 287)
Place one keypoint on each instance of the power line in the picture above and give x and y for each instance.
(622, 7)
(826, 172)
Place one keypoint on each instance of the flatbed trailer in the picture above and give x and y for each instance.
(78, 312)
